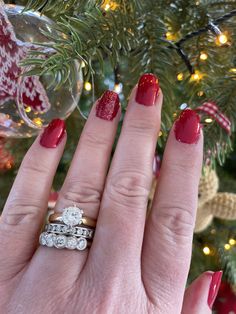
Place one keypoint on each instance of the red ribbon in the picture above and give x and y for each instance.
(212, 110)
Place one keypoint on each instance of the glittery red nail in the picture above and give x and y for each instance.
(148, 88)
(108, 106)
(187, 127)
(53, 134)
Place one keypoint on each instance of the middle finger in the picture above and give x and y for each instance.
(123, 207)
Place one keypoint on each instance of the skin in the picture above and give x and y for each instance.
(132, 266)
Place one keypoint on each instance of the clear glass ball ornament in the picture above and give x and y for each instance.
(27, 104)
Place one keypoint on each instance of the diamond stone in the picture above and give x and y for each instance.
(86, 233)
(72, 216)
(79, 231)
(50, 239)
(71, 243)
(64, 229)
(42, 238)
(58, 228)
(60, 241)
(81, 244)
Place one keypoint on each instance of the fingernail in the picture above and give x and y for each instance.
(108, 106)
(148, 88)
(53, 134)
(214, 288)
(187, 127)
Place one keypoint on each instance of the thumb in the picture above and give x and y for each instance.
(200, 295)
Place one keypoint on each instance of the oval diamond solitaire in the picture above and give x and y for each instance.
(72, 216)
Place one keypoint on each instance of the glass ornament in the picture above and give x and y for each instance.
(29, 103)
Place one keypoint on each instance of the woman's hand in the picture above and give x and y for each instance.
(132, 266)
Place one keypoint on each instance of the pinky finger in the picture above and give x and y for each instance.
(201, 294)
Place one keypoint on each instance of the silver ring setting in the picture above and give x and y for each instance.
(63, 242)
(69, 233)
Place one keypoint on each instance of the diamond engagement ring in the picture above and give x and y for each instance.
(68, 230)
(72, 216)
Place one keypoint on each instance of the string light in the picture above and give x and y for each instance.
(109, 5)
(203, 56)
(170, 36)
(233, 70)
(180, 76)
(28, 109)
(196, 76)
(227, 246)
(232, 241)
(118, 88)
(222, 39)
(38, 121)
(206, 250)
(208, 120)
(200, 93)
(88, 86)
(160, 133)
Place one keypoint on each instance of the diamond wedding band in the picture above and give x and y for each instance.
(68, 230)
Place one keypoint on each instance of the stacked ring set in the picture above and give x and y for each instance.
(68, 230)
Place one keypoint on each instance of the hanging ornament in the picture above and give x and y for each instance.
(211, 203)
(28, 103)
(6, 159)
(211, 109)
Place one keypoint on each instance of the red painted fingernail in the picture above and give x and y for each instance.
(53, 134)
(148, 88)
(108, 106)
(214, 288)
(187, 127)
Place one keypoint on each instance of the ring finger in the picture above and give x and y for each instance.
(84, 183)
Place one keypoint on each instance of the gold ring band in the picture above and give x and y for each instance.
(86, 221)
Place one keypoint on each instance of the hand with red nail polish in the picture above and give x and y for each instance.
(102, 250)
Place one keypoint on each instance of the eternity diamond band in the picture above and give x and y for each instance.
(62, 241)
(68, 230)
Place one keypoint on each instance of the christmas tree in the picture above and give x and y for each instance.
(189, 45)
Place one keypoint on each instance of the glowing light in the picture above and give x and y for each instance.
(197, 76)
(170, 36)
(88, 86)
(180, 76)
(118, 88)
(160, 133)
(38, 121)
(82, 64)
(200, 93)
(222, 39)
(208, 120)
(203, 56)
(174, 114)
(109, 5)
(233, 70)
(28, 109)
(232, 241)
(206, 250)
(227, 246)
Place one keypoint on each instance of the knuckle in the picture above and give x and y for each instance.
(92, 139)
(176, 224)
(82, 192)
(21, 212)
(129, 189)
(144, 126)
(35, 166)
